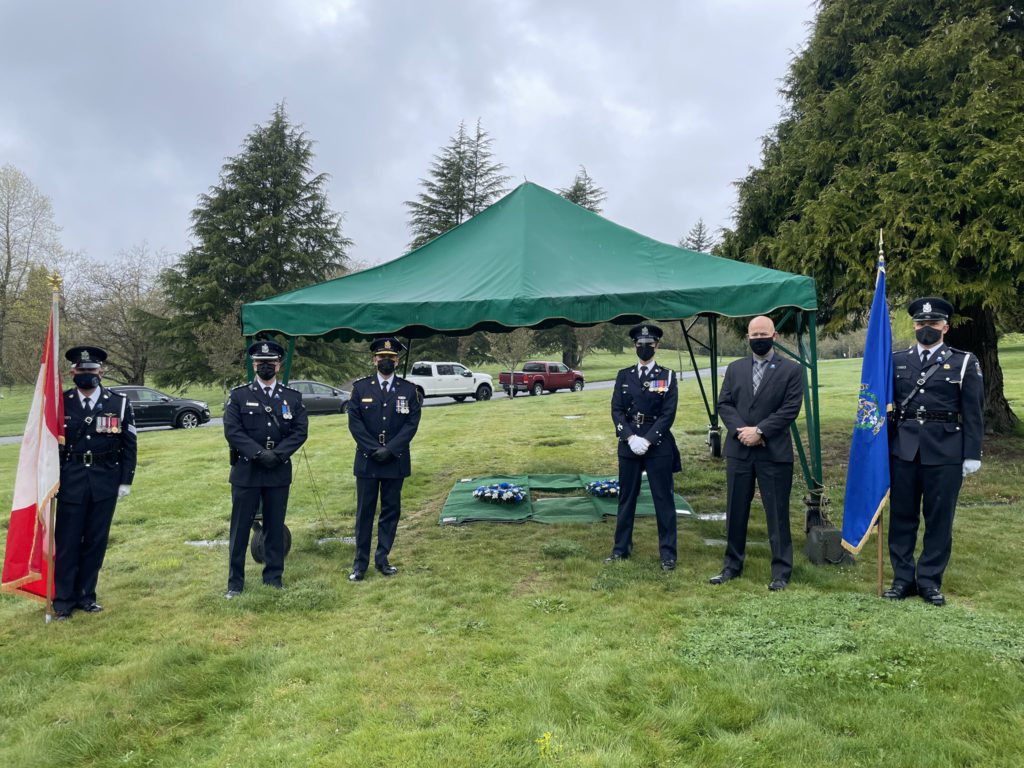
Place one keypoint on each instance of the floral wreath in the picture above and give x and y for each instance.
(603, 488)
(500, 493)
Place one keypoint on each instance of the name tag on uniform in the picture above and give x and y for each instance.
(401, 405)
(252, 405)
(366, 400)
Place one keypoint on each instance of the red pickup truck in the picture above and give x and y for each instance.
(539, 376)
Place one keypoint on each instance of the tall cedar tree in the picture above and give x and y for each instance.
(906, 116)
(463, 179)
(265, 228)
(585, 192)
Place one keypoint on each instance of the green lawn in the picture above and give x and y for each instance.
(506, 645)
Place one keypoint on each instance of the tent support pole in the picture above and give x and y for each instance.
(714, 438)
(408, 356)
(249, 371)
(287, 367)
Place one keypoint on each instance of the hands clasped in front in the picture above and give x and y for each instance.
(638, 445)
(749, 436)
(268, 459)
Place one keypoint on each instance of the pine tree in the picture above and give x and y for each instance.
(463, 180)
(265, 228)
(909, 117)
(584, 192)
(699, 238)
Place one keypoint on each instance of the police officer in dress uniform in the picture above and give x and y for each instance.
(935, 442)
(97, 468)
(643, 410)
(265, 422)
(383, 416)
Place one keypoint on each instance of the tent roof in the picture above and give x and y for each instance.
(532, 259)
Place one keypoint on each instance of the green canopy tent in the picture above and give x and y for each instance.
(533, 259)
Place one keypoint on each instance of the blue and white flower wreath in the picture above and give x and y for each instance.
(603, 488)
(500, 493)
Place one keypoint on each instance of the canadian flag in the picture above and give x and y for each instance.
(28, 558)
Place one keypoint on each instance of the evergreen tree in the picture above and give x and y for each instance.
(699, 238)
(265, 228)
(463, 180)
(905, 116)
(584, 192)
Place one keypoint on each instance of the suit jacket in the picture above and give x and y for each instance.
(377, 421)
(956, 386)
(116, 451)
(657, 397)
(775, 406)
(251, 419)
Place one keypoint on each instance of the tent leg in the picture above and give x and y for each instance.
(714, 438)
(816, 502)
(408, 357)
(287, 367)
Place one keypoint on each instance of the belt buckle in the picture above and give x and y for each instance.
(382, 438)
(921, 416)
(87, 458)
(638, 419)
(270, 443)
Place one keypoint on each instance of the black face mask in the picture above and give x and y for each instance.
(386, 366)
(266, 371)
(761, 347)
(928, 335)
(86, 381)
(645, 351)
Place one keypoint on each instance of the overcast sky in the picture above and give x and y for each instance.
(123, 112)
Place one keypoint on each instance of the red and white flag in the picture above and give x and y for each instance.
(28, 558)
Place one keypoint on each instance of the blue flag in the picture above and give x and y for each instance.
(867, 477)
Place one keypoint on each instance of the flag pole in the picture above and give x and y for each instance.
(55, 284)
(881, 510)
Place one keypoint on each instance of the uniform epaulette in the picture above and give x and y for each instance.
(958, 351)
(286, 386)
(365, 378)
(242, 386)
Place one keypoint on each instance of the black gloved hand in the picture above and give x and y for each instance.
(381, 454)
(268, 459)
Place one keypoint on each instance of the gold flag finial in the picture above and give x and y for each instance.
(55, 281)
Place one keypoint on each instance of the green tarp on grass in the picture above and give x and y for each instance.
(462, 507)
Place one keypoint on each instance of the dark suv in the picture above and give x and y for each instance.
(155, 409)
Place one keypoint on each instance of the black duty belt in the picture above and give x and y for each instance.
(643, 418)
(89, 458)
(922, 416)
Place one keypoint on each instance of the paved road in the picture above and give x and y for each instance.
(433, 401)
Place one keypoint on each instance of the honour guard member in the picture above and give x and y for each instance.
(383, 416)
(265, 422)
(97, 469)
(760, 398)
(643, 410)
(935, 442)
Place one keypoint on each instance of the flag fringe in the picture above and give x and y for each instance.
(856, 548)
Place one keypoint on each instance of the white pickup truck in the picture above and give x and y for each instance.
(452, 380)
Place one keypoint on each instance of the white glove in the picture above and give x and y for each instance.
(971, 466)
(123, 490)
(638, 445)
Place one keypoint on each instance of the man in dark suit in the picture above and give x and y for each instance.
(383, 416)
(935, 442)
(265, 422)
(760, 397)
(643, 410)
(97, 469)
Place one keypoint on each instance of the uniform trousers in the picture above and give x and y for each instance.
(659, 479)
(938, 487)
(80, 536)
(368, 489)
(775, 480)
(245, 503)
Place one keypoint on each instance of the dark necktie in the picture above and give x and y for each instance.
(924, 358)
(87, 406)
(267, 390)
(384, 387)
(758, 373)
(643, 372)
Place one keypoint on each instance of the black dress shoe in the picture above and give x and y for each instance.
(900, 590)
(93, 607)
(726, 575)
(273, 584)
(777, 585)
(668, 565)
(933, 595)
(616, 558)
(357, 575)
(231, 594)
(62, 615)
(387, 569)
